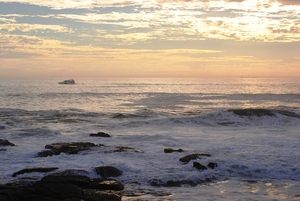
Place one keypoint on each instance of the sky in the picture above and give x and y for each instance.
(149, 38)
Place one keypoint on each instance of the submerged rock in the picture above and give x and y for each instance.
(6, 143)
(38, 169)
(170, 150)
(100, 134)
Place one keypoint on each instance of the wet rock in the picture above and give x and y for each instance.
(170, 150)
(100, 134)
(252, 112)
(65, 147)
(108, 171)
(199, 166)
(190, 157)
(6, 143)
(212, 165)
(173, 183)
(30, 170)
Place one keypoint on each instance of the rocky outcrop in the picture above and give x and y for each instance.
(54, 188)
(6, 143)
(100, 134)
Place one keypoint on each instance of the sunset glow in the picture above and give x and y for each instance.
(151, 38)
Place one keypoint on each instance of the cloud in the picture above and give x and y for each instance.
(32, 27)
(289, 2)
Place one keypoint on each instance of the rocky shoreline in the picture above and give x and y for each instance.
(73, 185)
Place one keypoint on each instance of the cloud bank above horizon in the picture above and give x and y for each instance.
(150, 38)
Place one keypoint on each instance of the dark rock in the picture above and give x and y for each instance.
(108, 171)
(199, 166)
(11, 193)
(100, 134)
(2, 149)
(6, 143)
(173, 183)
(252, 112)
(190, 157)
(58, 190)
(212, 165)
(170, 150)
(66, 147)
(2, 127)
(67, 188)
(38, 169)
(40, 198)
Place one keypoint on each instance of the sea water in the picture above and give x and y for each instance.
(258, 153)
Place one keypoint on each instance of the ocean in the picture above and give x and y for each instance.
(250, 127)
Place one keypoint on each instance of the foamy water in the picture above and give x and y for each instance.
(258, 153)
